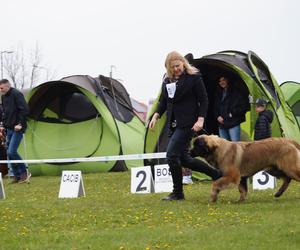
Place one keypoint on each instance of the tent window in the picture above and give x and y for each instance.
(61, 103)
(267, 82)
(265, 78)
(296, 108)
(72, 107)
(119, 111)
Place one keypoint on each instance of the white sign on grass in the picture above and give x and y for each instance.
(71, 185)
(2, 193)
(263, 180)
(163, 181)
(141, 180)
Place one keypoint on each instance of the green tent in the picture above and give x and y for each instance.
(291, 91)
(253, 77)
(81, 116)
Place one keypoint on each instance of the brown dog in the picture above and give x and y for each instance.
(278, 156)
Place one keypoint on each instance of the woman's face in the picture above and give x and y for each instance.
(177, 68)
(223, 82)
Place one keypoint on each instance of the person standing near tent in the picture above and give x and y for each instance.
(184, 98)
(230, 108)
(262, 129)
(15, 111)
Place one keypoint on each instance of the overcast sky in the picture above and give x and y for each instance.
(88, 36)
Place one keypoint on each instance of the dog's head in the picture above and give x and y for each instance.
(205, 145)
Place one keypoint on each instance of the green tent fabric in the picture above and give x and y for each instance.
(81, 116)
(291, 91)
(253, 77)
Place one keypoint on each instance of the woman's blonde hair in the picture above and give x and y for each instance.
(174, 55)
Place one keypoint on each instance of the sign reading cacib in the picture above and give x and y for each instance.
(71, 185)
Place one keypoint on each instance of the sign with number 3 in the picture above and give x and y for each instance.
(263, 180)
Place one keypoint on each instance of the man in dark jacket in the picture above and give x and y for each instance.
(15, 110)
(262, 128)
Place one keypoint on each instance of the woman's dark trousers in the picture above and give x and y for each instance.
(178, 156)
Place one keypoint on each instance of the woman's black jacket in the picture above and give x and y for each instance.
(232, 108)
(189, 102)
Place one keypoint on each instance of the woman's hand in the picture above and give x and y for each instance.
(153, 121)
(220, 119)
(18, 127)
(198, 125)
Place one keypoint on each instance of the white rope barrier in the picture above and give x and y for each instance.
(93, 159)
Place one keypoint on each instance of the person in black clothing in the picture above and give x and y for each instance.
(15, 110)
(184, 98)
(230, 108)
(3, 166)
(262, 127)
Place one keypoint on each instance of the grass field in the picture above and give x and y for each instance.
(110, 217)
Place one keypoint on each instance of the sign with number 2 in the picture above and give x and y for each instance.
(141, 180)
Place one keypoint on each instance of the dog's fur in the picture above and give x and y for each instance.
(278, 156)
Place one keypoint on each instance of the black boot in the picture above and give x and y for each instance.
(176, 172)
(203, 167)
(173, 197)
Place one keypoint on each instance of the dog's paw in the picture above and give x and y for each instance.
(278, 194)
(214, 197)
(240, 200)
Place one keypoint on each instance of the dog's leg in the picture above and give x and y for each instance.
(214, 192)
(243, 188)
(284, 186)
(223, 182)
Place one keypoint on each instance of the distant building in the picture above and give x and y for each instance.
(150, 103)
(140, 109)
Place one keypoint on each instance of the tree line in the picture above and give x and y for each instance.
(26, 69)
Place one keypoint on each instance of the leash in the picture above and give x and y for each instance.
(201, 132)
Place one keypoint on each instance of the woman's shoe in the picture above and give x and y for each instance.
(187, 180)
(173, 197)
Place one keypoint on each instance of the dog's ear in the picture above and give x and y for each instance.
(200, 147)
(213, 142)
